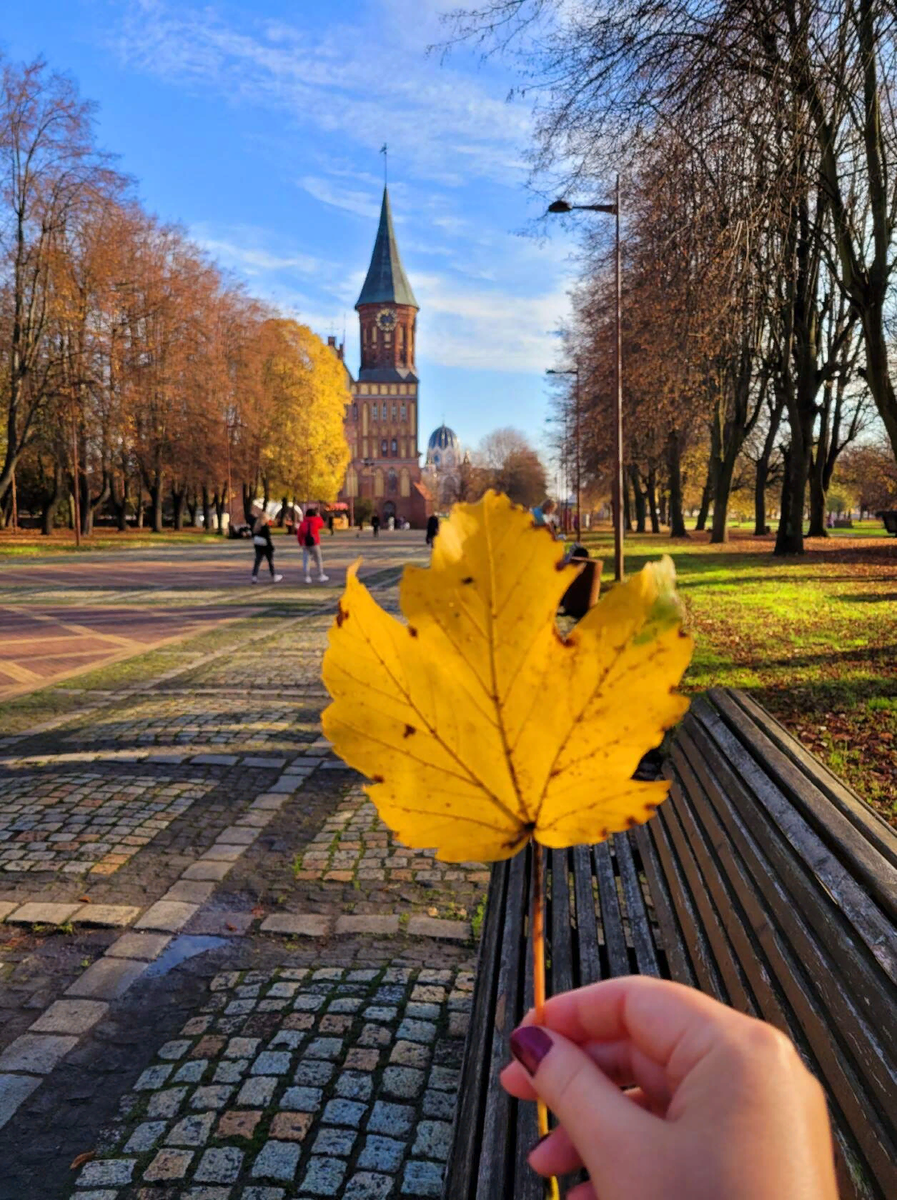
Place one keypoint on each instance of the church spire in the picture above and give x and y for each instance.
(386, 281)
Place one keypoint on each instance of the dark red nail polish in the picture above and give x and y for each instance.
(529, 1045)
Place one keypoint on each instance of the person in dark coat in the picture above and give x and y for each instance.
(375, 525)
(432, 529)
(264, 548)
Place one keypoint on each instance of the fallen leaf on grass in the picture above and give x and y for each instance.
(84, 900)
(81, 1159)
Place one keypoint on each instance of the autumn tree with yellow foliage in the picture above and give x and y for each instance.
(306, 390)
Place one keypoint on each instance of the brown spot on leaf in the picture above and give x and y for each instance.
(412, 631)
(409, 729)
(554, 774)
(631, 822)
(378, 779)
(469, 579)
(342, 614)
(651, 808)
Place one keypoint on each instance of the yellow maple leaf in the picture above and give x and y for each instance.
(479, 724)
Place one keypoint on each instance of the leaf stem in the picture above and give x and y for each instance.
(537, 926)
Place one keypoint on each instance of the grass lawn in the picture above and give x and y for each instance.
(812, 639)
(27, 543)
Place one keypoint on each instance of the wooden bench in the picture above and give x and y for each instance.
(763, 881)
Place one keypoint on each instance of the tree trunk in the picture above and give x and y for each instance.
(178, 500)
(817, 500)
(762, 478)
(641, 512)
(155, 491)
(219, 511)
(192, 507)
(651, 491)
(722, 491)
(90, 505)
(248, 500)
(674, 467)
(627, 516)
(53, 500)
(790, 533)
(707, 493)
(206, 509)
(119, 503)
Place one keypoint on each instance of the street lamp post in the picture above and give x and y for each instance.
(577, 455)
(561, 206)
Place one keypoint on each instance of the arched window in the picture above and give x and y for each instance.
(395, 446)
(404, 411)
(374, 412)
(393, 483)
(384, 447)
(395, 412)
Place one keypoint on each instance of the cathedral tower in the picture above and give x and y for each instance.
(381, 422)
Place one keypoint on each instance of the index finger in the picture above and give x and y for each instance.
(659, 1017)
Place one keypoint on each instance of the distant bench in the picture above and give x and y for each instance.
(763, 881)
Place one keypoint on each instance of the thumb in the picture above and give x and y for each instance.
(601, 1122)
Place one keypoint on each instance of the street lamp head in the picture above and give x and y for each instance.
(559, 206)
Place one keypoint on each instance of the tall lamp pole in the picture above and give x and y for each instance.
(577, 456)
(561, 206)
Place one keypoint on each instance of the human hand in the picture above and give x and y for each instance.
(717, 1106)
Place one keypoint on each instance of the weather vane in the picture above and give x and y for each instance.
(384, 150)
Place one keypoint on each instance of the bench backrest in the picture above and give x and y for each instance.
(765, 882)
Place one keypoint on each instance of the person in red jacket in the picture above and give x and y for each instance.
(309, 536)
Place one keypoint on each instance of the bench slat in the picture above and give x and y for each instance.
(636, 909)
(854, 870)
(774, 968)
(675, 955)
(855, 988)
(873, 828)
(860, 910)
(559, 925)
(611, 920)
(586, 925)
(498, 1119)
(475, 1071)
(528, 1184)
(705, 970)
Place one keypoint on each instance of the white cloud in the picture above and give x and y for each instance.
(362, 204)
(443, 124)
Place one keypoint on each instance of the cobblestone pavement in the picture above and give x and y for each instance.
(220, 976)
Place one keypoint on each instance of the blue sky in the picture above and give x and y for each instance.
(257, 124)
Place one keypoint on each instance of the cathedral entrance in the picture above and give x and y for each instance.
(389, 510)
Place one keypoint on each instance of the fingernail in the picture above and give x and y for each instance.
(529, 1045)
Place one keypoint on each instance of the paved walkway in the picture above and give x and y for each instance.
(220, 977)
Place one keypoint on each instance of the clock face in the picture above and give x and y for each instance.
(386, 319)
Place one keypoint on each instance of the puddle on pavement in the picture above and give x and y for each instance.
(179, 950)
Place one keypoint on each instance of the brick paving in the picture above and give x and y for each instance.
(336, 1081)
(197, 811)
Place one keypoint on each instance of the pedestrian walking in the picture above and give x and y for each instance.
(264, 548)
(432, 529)
(330, 523)
(309, 536)
(375, 525)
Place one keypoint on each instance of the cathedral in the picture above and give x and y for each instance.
(382, 420)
